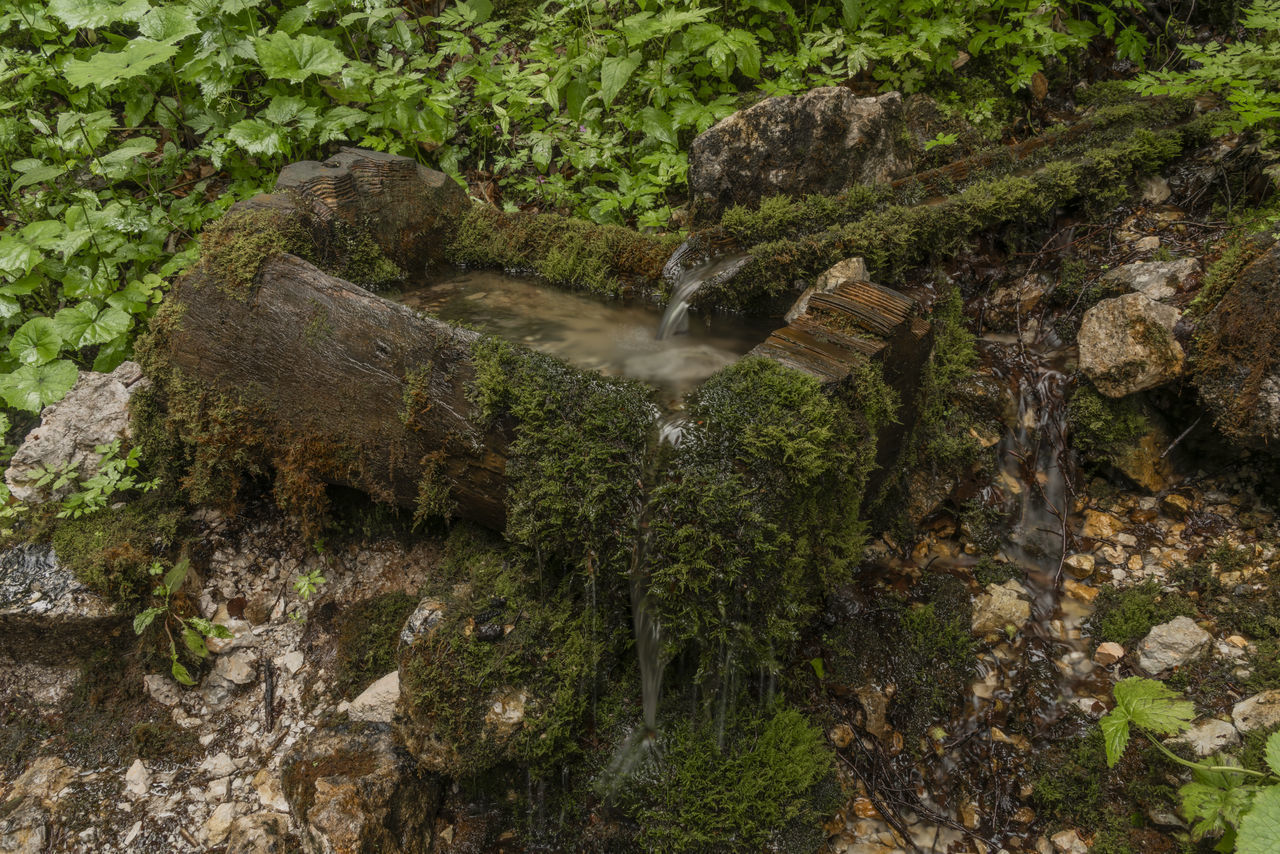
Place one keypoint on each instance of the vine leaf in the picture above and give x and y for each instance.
(1148, 704)
(295, 58)
(1260, 827)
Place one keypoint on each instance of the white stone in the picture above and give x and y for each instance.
(1158, 280)
(1108, 653)
(163, 689)
(1127, 344)
(218, 765)
(1208, 736)
(1261, 711)
(1069, 842)
(219, 823)
(137, 780)
(292, 661)
(1171, 644)
(377, 703)
(239, 667)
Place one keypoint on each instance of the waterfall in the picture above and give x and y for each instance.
(687, 271)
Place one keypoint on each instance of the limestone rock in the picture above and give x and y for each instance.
(259, 833)
(1069, 842)
(506, 712)
(46, 614)
(1172, 644)
(1261, 711)
(95, 412)
(24, 819)
(377, 702)
(422, 622)
(1208, 737)
(137, 780)
(1237, 367)
(1157, 280)
(1000, 606)
(218, 825)
(354, 791)
(1127, 345)
(848, 270)
(823, 141)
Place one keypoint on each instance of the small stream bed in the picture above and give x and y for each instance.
(614, 337)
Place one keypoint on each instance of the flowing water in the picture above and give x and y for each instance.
(688, 281)
(613, 337)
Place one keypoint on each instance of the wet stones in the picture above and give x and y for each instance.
(95, 412)
(1000, 607)
(823, 141)
(354, 791)
(1127, 345)
(46, 614)
(1171, 645)
(1261, 711)
(1156, 280)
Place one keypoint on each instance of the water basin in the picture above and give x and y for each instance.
(614, 337)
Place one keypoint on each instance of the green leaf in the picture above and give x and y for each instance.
(1273, 753)
(97, 13)
(1260, 827)
(110, 355)
(256, 136)
(169, 24)
(1151, 705)
(145, 619)
(103, 70)
(71, 322)
(180, 673)
(1214, 808)
(33, 387)
(290, 22)
(111, 323)
(37, 341)
(36, 175)
(295, 58)
(173, 578)
(1115, 733)
(17, 255)
(194, 642)
(615, 71)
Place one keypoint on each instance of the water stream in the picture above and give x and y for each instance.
(614, 337)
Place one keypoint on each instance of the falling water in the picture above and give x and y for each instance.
(688, 281)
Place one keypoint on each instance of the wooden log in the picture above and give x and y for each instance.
(369, 393)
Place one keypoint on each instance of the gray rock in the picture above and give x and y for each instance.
(1208, 737)
(422, 622)
(1002, 605)
(260, 833)
(1261, 711)
(1157, 280)
(378, 701)
(823, 141)
(95, 412)
(1171, 645)
(353, 790)
(1127, 345)
(46, 614)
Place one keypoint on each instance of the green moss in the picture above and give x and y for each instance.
(352, 254)
(111, 551)
(365, 649)
(990, 571)
(1102, 427)
(1126, 616)
(1242, 610)
(164, 741)
(576, 465)
(895, 238)
(235, 247)
(508, 629)
(784, 217)
(769, 787)
(569, 253)
(757, 512)
(1067, 778)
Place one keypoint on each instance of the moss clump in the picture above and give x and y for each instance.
(508, 631)
(768, 788)
(352, 254)
(1237, 609)
(570, 253)
(784, 217)
(757, 511)
(1126, 616)
(164, 741)
(111, 551)
(368, 631)
(234, 248)
(576, 465)
(1067, 778)
(898, 237)
(1102, 427)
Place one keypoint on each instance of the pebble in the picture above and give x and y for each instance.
(1108, 653)
(137, 780)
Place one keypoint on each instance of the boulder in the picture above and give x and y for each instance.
(1157, 280)
(1261, 711)
(1236, 364)
(25, 815)
(1171, 645)
(1127, 345)
(1002, 605)
(823, 141)
(46, 614)
(95, 412)
(353, 790)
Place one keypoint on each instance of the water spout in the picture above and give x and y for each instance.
(688, 271)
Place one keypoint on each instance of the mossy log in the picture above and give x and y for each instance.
(356, 389)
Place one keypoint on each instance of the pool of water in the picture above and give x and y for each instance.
(614, 337)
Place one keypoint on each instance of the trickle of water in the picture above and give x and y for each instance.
(687, 283)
